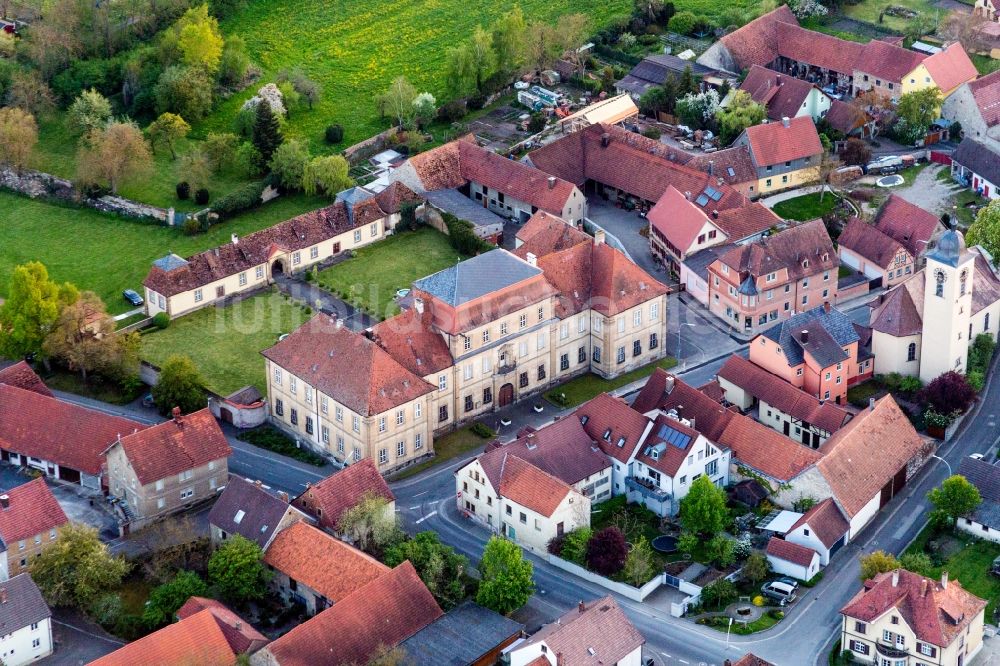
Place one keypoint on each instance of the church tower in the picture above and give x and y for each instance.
(947, 312)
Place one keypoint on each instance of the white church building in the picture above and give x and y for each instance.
(925, 325)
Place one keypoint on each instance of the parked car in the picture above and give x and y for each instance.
(133, 297)
(976, 456)
(787, 580)
(781, 592)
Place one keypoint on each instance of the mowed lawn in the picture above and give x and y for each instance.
(107, 254)
(225, 343)
(373, 276)
(805, 207)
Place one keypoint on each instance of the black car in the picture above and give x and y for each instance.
(132, 297)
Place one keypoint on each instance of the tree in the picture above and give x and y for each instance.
(687, 84)
(288, 163)
(328, 174)
(197, 168)
(827, 166)
(472, 63)
(220, 150)
(683, 23)
(653, 101)
(540, 45)
(508, 41)
(649, 9)
(506, 582)
(266, 134)
(89, 111)
(920, 107)
(201, 45)
(290, 96)
(856, 152)
(606, 551)
(237, 570)
(397, 101)
(919, 563)
(18, 136)
(571, 32)
(966, 28)
(83, 336)
(721, 549)
(77, 568)
(985, 230)
(115, 155)
(807, 8)
(180, 385)
(234, 63)
(639, 567)
(185, 91)
(574, 547)
(306, 87)
(166, 599)
(703, 509)
(169, 128)
(439, 566)
(877, 562)
(756, 568)
(370, 524)
(32, 307)
(424, 109)
(697, 109)
(955, 498)
(719, 594)
(29, 92)
(947, 393)
(741, 112)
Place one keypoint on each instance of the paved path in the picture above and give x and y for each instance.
(126, 315)
(324, 301)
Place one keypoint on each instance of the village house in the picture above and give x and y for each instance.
(924, 326)
(22, 376)
(30, 520)
(899, 616)
(178, 286)
(891, 247)
(26, 621)
(784, 96)
(821, 528)
(168, 467)
(618, 430)
(984, 521)
(818, 350)
(786, 154)
(946, 70)
(315, 570)
(378, 615)
(976, 106)
(596, 633)
(754, 285)
(242, 636)
(515, 498)
(791, 559)
(977, 166)
(246, 508)
(779, 405)
(467, 635)
(327, 500)
(988, 9)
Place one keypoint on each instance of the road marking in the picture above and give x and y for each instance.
(432, 513)
(423, 493)
(413, 507)
(683, 661)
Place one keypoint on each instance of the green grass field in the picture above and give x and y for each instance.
(107, 254)
(869, 11)
(585, 387)
(373, 276)
(225, 343)
(805, 207)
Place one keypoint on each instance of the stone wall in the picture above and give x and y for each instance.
(370, 146)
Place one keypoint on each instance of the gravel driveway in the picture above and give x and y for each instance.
(928, 192)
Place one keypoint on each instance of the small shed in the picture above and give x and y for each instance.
(245, 408)
(749, 492)
(791, 559)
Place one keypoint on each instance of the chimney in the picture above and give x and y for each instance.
(283, 496)
(5, 501)
(804, 334)
(599, 237)
(727, 662)
(176, 413)
(669, 385)
(715, 214)
(944, 580)
(418, 305)
(532, 259)
(559, 659)
(687, 195)
(711, 167)
(826, 307)
(258, 483)
(582, 606)
(871, 403)
(895, 577)
(338, 324)
(3, 595)
(216, 251)
(777, 80)
(605, 140)
(923, 587)
(235, 239)
(239, 625)
(785, 121)
(552, 182)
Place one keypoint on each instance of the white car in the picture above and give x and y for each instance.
(976, 456)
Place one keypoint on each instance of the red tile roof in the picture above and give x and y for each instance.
(897, 312)
(242, 637)
(910, 225)
(384, 612)
(609, 420)
(766, 451)
(323, 563)
(409, 339)
(22, 376)
(49, 429)
(347, 366)
(618, 284)
(775, 143)
(171, 447)
(868, 241)
(950, 67)
(826, 522)
(739, 223)
(392, 198)
(938, 614)
(197, 639)
(887, 61)
(719, 164)
(519, 481)
(791, 552)
(751, 659)
(782, 95)
(562, 449)
(596, 633)
(856, 476)
(844, 116)
(669, 457)
(328, 499)
(549, 233)
(756, 43)
(784, 251)
(678, 220)
(781, 395)
(664, 391)
(986, 92)
(32, 510)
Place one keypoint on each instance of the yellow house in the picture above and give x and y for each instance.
(946, 70)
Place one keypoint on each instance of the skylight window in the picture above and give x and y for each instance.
(730, 171)
(238, 518)
(702, 200)
(713, 193)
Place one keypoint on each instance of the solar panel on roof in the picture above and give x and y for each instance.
(671, 436)
(702, 200)
(713, 193)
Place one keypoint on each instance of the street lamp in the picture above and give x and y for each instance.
(679, 329)
(947, 464)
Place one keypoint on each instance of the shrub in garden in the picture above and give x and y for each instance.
(482, 430)
(191, 226)
(183, 190)
(606, 551)
(555, 544)
(161, 320)
(719, 593)
(452, 111)
(976, 380)
(574, 546)
(334, 133)
(239, 200)
(201, 196)
(947, 393)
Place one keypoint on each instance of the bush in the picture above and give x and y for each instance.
(574, 547)
(652, 133)
(462, 236)
(606, 551)
(682, 23)
(947, 393)
(719, 593)
(191, 226)
(239, 200)
(201, 196)
(536, 123)
(452, 111)
(183, 190)
(475, 102)
(267, 437)
(334, 133)
(482, 430)
(758, 601)
(161, 320)
(776, 614)
(555, 544)
(976, 380)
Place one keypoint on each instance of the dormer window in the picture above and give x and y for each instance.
(621, 442)
(607, 435)
(584, 419)
(805, 263)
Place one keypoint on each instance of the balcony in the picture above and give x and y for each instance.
(646, 488)
(890, 651)
(506, 368)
